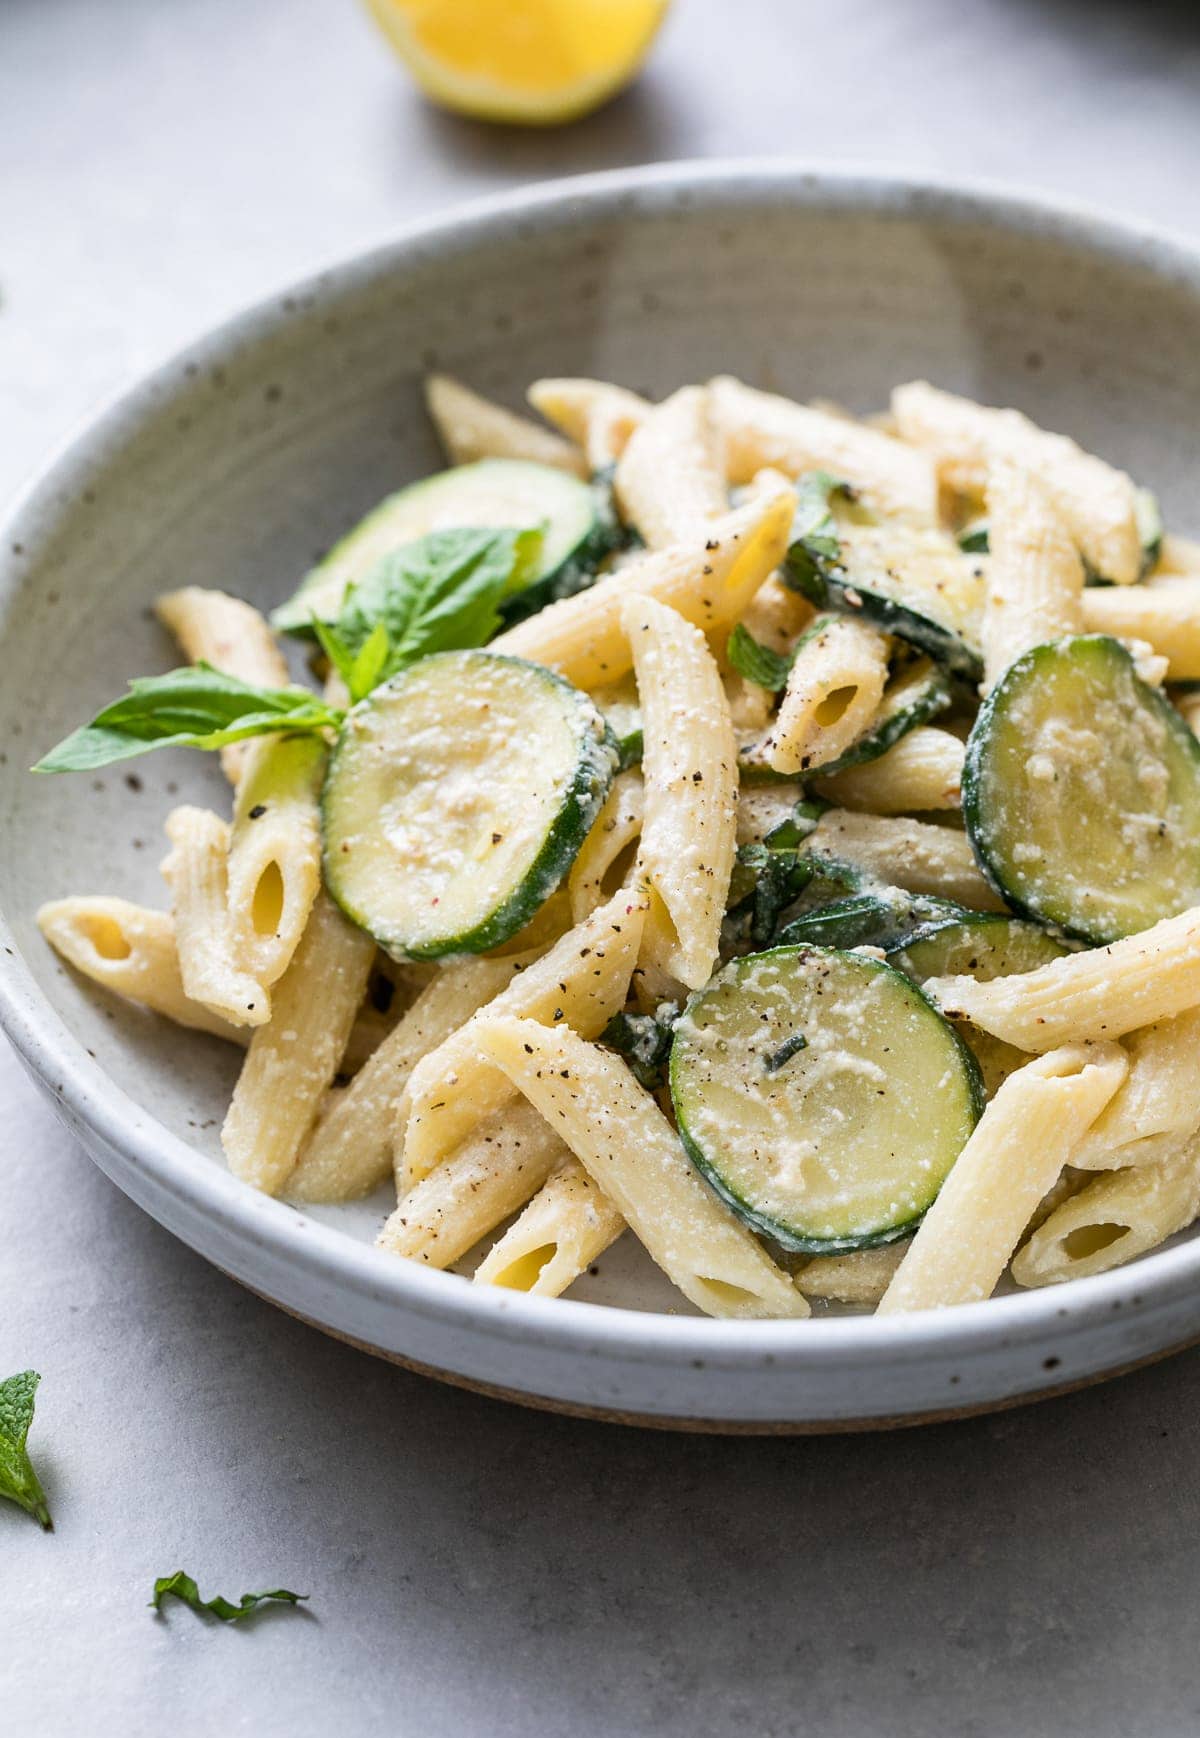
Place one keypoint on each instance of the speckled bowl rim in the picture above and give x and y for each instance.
(328, 1256)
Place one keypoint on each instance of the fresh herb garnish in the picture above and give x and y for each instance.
(18, 1481)
(181, 1586)
(442, 593)
(789, 1048)
(756, 662)
(644, 1040)
(195, 707)
(814, 543)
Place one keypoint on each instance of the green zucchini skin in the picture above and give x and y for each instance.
(1019, 799)
(552, 850)
(580, 528)
(953, 1064)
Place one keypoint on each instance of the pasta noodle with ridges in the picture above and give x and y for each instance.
(471, 427)
(567, 1226)
(195, 871)
(671, 477)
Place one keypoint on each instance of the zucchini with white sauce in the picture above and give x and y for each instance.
(1081, 792)
(576, 520)
(457, 798)
(822, 1096)
(912, 582)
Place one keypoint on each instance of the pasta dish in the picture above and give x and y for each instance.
(767, 830)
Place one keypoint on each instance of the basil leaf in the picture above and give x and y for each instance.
(756, 662)
(196, 707)
(18, 1481)
(439, 594)
(181, 1586)
(644, 1040)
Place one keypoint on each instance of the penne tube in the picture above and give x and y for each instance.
(833, 692)
(1097, 502)
(1034, 590)
(213, 628)
(1113, 1219)
(274, 867)
(1158, 1105)
(594, 414)
(859, 1277)
(582, 982)
(689, 763)
(349, 1150)
(1166, 617)
(131, 950)
(1178, 558)
(1015, 1154)
(493, 1173)
(917, 855)
(670, 479)
(709, 580)
(623, 1140)
(568, 1224)
(922, 772)
(615, 831)
(761, 429)
(470, 427)
(1102, 993)
(195, 871)
(292, 1060)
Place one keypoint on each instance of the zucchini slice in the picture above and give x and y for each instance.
(822, 1096)
(577, 521)
(1081, 792)
(910, 581)
(982, 945)
(457, 797)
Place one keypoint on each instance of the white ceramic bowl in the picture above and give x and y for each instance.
(236, 463)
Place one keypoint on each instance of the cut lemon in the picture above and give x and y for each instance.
(535, 61)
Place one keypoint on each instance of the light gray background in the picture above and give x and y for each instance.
(475, 1569)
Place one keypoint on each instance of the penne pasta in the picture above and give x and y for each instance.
(131, 950)
(621, 1137)
(861, 1277)
(614, 833)
(920, 773)
(349, 1150)
(195, 871)
(1159, 1103)
(1166, 617)
(689, 762)
(833, 691)
(1034, 587)
(917, 855)
(274, 866)
(292, 1060)
(583, 981)
(493, 1173)
(761, 429)
(709, 580)
(1097, 502)
(471, 427)
(593, 414)
(213, 628)
(1102, 993)
(568, 1224)
(1020, 1145)
(670, 479)
(1113, 1219)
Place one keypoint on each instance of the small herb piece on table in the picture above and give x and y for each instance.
(18, 1481)
(182, 1586)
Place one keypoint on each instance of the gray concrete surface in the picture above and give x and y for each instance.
(478, 1570)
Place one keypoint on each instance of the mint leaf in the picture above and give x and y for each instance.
(439, 594)
(182, 1586)
(644, 1040)
(756, 662)
(18, 1481)
(814, 542)
(196, 707)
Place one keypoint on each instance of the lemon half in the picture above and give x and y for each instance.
(535, 61)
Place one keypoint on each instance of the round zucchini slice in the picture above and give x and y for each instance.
(1081, 792)
(983, 946)
(822, 1096)
(578, 527)
(457, 797)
